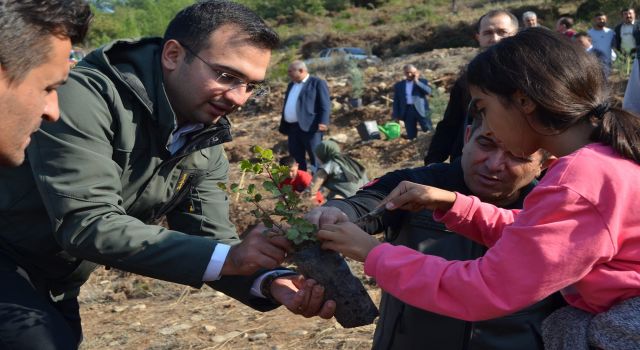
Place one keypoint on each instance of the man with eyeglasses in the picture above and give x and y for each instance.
(140, 141)
(305, 115)
(485, 170)
(448, 139)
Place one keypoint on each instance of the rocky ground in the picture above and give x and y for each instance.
(125, 311)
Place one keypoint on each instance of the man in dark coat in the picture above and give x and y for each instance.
(485, 170)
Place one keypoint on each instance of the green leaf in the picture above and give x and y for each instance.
(267, 154)
(257, 149)
(222, 186)
(292, 233)
(235, 188)
(257, 168)
(251, 189)
(245, 165)
(257, 197)
(271, 187)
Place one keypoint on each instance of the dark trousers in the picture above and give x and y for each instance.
(301, 143)
(29, 319)
(412, 117)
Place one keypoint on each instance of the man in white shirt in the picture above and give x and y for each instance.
(602, 37)
(305, 115)
(627, 41)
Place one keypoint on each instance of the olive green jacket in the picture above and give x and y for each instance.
(97, 182)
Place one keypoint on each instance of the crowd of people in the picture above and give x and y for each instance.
(479, 252)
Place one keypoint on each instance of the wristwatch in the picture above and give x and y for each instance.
(265, 286)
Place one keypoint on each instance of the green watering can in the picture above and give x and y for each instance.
(391, 130)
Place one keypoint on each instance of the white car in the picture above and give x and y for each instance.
(348, 53)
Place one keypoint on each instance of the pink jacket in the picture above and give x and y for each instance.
(579, 232)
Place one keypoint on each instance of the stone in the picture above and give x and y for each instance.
(209, 328)
(174, 329)
(225, 337)
(139, 307)
(258, 336)
(119, 308)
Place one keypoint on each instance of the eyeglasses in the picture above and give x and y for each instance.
(473, 112)
(230, 81)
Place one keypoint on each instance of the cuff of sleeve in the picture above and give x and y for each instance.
(374, 255)
(459, 208)
(256, 287)
(212, 273)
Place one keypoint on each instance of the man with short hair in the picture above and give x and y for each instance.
(485, 170)
(602, 38)
(37, 37)
(448, 139)
(564, 26)
(627, 33)
(410, 102)
(305, 115)
(139, 141)
(529, 19)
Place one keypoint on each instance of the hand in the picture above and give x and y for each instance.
(416, 75)
(326, 215)
(347, 238)
(256, 251)
(322, 127)
(414, 197)
(302, 297)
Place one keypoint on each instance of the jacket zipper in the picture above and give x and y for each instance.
(215, 136)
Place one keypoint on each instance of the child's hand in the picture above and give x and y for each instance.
(347, 238)
(414, 197)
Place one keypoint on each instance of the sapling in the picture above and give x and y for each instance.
(353, 305)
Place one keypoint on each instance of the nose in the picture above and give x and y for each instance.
(495, 162)
(51, 111)
(237, 96)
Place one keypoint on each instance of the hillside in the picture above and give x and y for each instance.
(124, 311)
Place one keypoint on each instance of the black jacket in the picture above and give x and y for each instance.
(404, 327)
(448, 139)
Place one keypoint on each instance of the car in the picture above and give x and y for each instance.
(349, 53)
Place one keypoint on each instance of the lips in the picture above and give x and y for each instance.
(219, 110)
(488, 180)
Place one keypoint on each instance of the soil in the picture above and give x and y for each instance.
(126, 311)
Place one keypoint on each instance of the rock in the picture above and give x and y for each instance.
(139, 307)
(224, 338)
(209, 328)
(175, 328)
(258, 336)
(196, 318)
(114, 343)
(335, 105)
(136, 324)
(299, 332)
(119, 308)
(340, 138)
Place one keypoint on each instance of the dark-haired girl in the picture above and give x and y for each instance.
(579, 230)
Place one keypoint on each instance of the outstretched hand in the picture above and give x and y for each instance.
(302, 296)
(414, 197)
(348, 239)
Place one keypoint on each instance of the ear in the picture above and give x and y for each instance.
(172, 54)
(467, 134)
(523, 102)
(548, 162)
(477, 37)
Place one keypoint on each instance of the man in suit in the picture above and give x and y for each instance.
(410, 102)
(305, 115)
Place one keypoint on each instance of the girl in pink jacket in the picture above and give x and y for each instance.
(579, 229)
